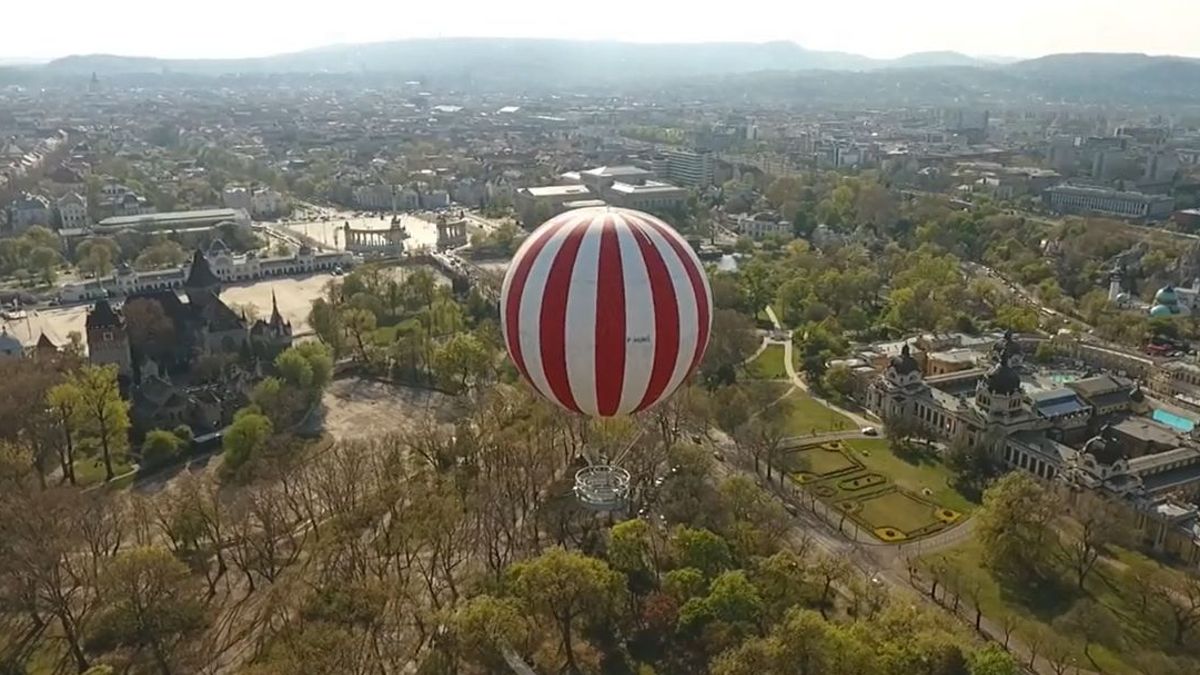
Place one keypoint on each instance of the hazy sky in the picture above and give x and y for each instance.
(881, 28)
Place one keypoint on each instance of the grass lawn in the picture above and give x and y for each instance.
(819, 461)
(882, 491)
(914, 474)
(769, 364)
(1038, 609)
(804, 416)
(90, 470)
(897, 510)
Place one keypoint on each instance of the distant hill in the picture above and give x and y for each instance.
(536, 64)
(935, 60)
(484, 57)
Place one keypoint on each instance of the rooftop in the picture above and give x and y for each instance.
(649, 187)
(558, 191)
(175, 217)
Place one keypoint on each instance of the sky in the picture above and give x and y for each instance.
(877, 28)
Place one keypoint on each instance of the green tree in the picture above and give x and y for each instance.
(160, 447)
(294, 369)
(1014, 526)
(838, 382)
(246, 437)
(359, 323)
(147, 604)
(326, 321)
(101, 412)
(700, 549)
(44, 260)
(461, 359)
(993, 660)
(484, 626)
(320, 360)
(572, 590)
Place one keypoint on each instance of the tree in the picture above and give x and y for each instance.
(485, 626)
(151, 331)
(570, 589)
(320, 360)
(326, 321)
(160, 447)
(101, 411)
(1014, 525)
(1179, 598)
(97, 255)
(732, 342)
(44, 260)
(1102, 522)
(1091, 622)
(838, 382)
(359, 323)
(295, 370)
(461, 359)
(246, 437)
(65, 400)
(147, 604)
(700, 549)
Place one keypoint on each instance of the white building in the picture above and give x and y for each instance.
(72, 211)
(1081, 199)
(763, 225)
(227, 266)
(693, 169)
(648, 196)
(260, 202)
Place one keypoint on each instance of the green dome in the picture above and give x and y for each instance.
(1161, 310)
(1166, 296)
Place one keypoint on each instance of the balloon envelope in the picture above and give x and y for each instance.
(605, 310)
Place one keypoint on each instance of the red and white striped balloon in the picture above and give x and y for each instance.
(605, 310)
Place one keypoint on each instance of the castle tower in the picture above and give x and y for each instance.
(201, 283)
(107, 339)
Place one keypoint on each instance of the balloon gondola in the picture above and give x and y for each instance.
(605, 312)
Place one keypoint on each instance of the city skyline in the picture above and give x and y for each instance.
(229, 29)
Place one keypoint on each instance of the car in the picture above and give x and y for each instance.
(870, 431)
(791, 508)
(718, 456)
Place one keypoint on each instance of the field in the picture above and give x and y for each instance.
(90, 470)
(804, 416)
(896, 498)
(359, 408)
(769, 365)
(1137, 629)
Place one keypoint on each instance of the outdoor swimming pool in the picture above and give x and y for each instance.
(1171, 419)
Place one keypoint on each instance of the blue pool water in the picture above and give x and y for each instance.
(1171, 419)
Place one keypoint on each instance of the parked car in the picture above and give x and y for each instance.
(870, 431)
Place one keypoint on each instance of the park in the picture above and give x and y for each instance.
(894, 497)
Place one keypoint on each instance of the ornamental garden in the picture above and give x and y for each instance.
(897, 498)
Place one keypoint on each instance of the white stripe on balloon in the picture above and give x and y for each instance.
(639, 319)
(582, 308)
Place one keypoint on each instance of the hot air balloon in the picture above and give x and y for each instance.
(605, 311)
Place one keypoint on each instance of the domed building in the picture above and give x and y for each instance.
(998, 394)
(1167, 303)
(902, 382)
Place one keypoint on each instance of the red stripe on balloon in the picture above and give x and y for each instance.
(553, 322)
(666, 316)
(512, 304)
(696, 277)
(610, 322)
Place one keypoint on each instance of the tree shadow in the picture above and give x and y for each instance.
(1045, 597)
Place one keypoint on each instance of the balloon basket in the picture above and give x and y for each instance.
(602, 487)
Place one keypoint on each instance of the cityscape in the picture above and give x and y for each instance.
(520, 355)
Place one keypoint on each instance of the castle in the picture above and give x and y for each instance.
(159, 379)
